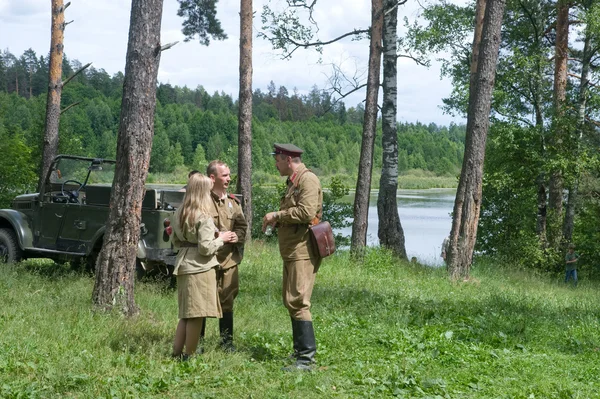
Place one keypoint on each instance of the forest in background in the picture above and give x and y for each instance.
(193, 126)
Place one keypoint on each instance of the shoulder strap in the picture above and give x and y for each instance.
(295, 183)
(233, 197)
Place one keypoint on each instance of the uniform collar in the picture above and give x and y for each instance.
(216, 197)
(299, 169)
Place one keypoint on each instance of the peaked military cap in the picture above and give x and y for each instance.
(287, 149)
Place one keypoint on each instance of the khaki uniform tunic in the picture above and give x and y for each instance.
(302, 201)
(228, 216)
(195, 266)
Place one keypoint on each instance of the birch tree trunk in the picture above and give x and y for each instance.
(555, 189)
(581, 110)
(50, 144)
(468, 197)
(114, 287)
(244, 182)
(365, 165)
(390, 232)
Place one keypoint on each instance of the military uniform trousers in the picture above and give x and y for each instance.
(229, 285)
(298, 282)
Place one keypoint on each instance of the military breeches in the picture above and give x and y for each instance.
(229, 286)
(298, 282)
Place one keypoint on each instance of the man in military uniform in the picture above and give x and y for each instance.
(300, 206)
(228, 216)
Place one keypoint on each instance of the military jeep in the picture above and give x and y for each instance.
(66, 220)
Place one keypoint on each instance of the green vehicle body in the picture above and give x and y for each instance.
(66, 221)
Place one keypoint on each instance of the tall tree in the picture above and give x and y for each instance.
(116, 262)
(390, 232)
(468, 196)
(244, 180)
(558, 134)
(591, 47)
(365, 164)
(55, 85)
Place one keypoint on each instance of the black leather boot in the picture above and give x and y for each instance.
(226, 330)
(307, 346)
(294, 355)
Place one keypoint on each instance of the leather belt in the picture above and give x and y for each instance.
(187, 244)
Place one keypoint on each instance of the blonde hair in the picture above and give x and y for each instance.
(196, 201)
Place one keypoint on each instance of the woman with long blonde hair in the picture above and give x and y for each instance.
(198, 240)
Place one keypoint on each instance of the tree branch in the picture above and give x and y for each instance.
(69, 107)
(579, 77)
(416, 60)
(593, 122)
(66, 5)
(168, 46)
(76, 73)
(513, 117)
(320, 43)
(392, 8)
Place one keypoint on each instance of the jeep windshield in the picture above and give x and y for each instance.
(82, 170)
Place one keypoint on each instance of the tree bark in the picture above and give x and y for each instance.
(555, 189)
(244, 182)
(390, 232)
(114, 287)
(468, 197)
(50, 144)
(479, 15)
(569, 222)
(365, 165)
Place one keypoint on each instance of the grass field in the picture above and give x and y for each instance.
(384, 329)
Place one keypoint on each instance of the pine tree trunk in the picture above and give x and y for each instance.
(555, 191)
(479, 15)
(116, 262)
(244, 183)
(50, 144)
(390, 232)
(468, 197)
(365, 165)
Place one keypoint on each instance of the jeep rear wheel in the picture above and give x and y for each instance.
(9, 247)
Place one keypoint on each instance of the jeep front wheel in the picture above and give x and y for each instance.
(9, 247)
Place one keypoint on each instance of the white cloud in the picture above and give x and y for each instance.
(100, 30)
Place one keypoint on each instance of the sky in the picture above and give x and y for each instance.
(99, 32)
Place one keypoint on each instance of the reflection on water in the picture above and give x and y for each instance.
(425, 218)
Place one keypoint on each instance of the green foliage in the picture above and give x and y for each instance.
(336, 211)
(330, 135)
(17, 169)
(264, 200)
(200, 19)
(384, 329)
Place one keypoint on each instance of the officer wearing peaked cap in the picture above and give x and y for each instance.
(300, 207)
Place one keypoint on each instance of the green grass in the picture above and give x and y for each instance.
(384, 329)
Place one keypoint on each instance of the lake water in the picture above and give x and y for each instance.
(425, 218)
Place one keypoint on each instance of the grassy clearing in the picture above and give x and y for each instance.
(384, 329)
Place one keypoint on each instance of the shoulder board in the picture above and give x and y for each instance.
(297, 179)
(233, 197)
